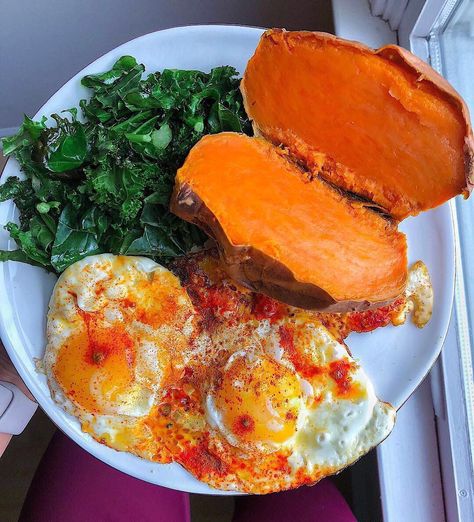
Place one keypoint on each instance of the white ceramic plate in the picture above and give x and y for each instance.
(397, 359)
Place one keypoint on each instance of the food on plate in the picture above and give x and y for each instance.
(216, 296)
(117, 332)
(355, 141)
(285, 232)
(288, 406)
(417, 300)
(381, 124)
(247, 394)
(419, 297)
(231, 361)
(103, 184)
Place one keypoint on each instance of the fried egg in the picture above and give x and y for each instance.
(416, 301)
(117, 328)
(418, 297)
(287, 407)
(246, 393)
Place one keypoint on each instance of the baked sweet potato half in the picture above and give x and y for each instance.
(385, 124)
(350, 142)
(284, 232)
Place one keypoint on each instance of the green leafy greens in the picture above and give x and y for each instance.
(103, 185)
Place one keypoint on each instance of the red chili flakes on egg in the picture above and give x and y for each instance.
(101, 342)
(264, 307)
(302, 365)
(372, 319)
(243, 425)
(201, 462)
(340, 372)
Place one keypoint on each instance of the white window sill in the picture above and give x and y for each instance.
(408, 461)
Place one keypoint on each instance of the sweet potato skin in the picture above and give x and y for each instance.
(254, 269)
(421, 74)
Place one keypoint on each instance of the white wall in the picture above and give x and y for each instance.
(45, 42)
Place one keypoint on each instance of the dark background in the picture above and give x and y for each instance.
(44, 43)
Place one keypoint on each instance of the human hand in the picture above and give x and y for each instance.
(9, 374)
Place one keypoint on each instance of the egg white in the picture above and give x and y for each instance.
(75, 290)
(336, 431)
(419, 297)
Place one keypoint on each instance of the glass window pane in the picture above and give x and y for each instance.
(451, 46)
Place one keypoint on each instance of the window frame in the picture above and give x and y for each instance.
(435, 483)
(448, 382)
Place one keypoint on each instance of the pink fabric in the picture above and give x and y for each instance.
(71, 485)
(319, 503)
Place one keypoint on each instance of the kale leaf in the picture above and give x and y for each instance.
(103, 184)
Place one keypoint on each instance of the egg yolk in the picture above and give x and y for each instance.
(95, 367)
(258, 399)
(118, 354)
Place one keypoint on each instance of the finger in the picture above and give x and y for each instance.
(9, 374)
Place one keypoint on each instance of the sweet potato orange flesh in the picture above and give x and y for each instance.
(398, 131)
(286, 233)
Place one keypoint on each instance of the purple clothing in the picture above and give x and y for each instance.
(71, 485)
(319, 503)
